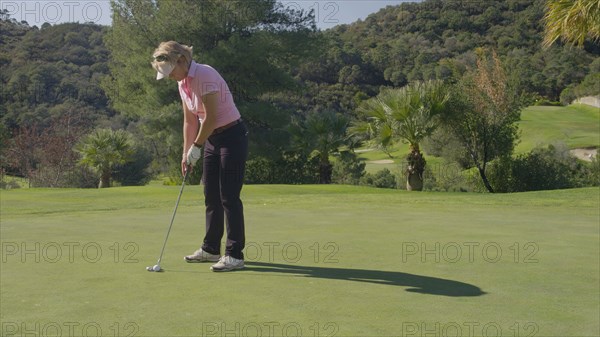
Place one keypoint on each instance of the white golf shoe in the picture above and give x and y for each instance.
(227, 263)
(202, 256)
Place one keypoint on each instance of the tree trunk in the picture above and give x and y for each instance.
(486, 182)
(325, 169)
(481, 169)
(414, 182)
(325, 173)
(416, 167)
(104, 180)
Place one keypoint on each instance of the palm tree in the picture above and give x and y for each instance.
(409, 114)
(572, 20)
(324, 133)
(103, 150)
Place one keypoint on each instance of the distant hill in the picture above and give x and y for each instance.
(57, 70)
(50, 72)
(45, 68)
(437, 39)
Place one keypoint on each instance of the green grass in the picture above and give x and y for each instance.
(11, 182)
(323, 259)
(576, 125)
(399, 152)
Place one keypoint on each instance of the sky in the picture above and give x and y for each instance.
(327, 13)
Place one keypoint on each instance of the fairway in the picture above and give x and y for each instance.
(576, 125)
(320, 261)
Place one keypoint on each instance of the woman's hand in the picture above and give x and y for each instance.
(193, 154)
(184, 166)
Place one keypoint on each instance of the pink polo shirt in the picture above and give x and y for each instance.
(203, 79)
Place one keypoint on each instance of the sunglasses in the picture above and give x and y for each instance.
(162, 58)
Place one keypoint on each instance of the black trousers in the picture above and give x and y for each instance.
(224, 165)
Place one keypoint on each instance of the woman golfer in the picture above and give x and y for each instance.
(211, 120)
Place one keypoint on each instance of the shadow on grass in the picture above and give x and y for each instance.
(416, 283)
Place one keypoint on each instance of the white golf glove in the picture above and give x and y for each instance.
(194, 154)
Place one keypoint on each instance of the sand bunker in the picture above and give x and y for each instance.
(585, 154)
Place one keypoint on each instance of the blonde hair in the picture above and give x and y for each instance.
(173, 50)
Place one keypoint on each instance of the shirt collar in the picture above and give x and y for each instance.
(191, 71)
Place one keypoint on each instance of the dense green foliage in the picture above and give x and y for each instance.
(381, 179)
(544, 168)
(50, 98)
(347, 168)
(484, 110)
(103, 150)
(436, 40)
(253, 45)
(50, 72)
(324, 133)
(289, 168)
(408, 114)
(78, 77)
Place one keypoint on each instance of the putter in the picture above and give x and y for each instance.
(156, 267)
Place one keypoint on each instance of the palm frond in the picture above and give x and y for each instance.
(409, 114)
(572, 21)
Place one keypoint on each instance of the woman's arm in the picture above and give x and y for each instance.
(190, 131)
(192, 136)
(210, 102)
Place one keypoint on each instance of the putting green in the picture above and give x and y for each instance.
(321, 261)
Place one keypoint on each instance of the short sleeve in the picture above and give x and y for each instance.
(208, 81)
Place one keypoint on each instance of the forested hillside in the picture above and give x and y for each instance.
(436, 40)
(51, 71)
(50, 95)
(60, 82)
